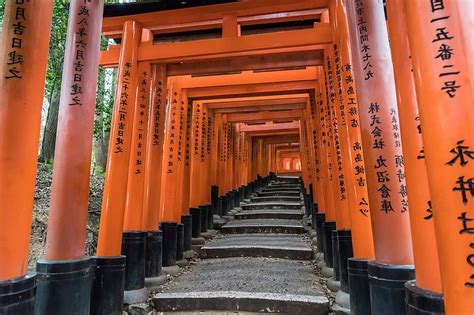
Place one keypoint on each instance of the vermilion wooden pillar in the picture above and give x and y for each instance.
(383, 154)
(169, 205)
(67, 222)
(115, 186)
(196, 150)
(445, 97)
(204, 155)
(154, 156)
(21, 93)
(136, 168)
(421, 217)
(187, 159)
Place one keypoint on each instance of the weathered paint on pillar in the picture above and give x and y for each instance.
(444, 95)
(67, 222)
(155, 142)
(136, 167)
(380, 136)
(425, 251)
(362, 240)
(24, 54)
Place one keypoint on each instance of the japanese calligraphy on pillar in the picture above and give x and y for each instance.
(18, 30)
(172, 131)
(142, 121)
(197, 124)
(202, 151)
(181, 135)
(187, 150)
(80, 46)
(123, 107)
(364, 40)
(157, 113)
(210, 131)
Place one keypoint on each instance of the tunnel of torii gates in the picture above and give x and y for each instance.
(202, 122)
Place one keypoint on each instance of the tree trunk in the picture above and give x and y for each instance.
(49, 137)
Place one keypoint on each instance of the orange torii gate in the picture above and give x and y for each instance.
(181, 140)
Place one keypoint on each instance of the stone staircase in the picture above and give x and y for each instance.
(260, 262)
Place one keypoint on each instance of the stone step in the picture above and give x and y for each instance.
(269, 188)
(245, 284)
(278, 193)
(276, 198)
(284, 186)
(270, 214)
(256, 245)
(263, 226)
(272, 205)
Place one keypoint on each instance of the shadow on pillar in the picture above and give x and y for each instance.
(108, 282)
(422, 302)
(63, 286)
(17, 296)
(387, 287)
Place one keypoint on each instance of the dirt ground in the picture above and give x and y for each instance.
(40, 214)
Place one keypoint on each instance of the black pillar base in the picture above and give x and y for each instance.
(134, 249)
(335, 255)
(422, 302)
(214, 195)
(196, 222)
(231, 202)
(387, 290)
(170, 242)
(210, 218)
(63, 286)
(359, 286)
(320, 218)
(344, 243)
(236, 198)
(108, 283)
(153, 253)
(187, 221)
(17, 296)
(180, 242)
(241, 193)
(225, 202)
(203, 218)
(328, 227)
(219, 207)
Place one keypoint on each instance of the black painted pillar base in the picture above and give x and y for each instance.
(422, 302)
(320, 219)
(108, 284)
(214, 196)
(335, 256)
(134, 249)
(203, 219)
(344, 243)
(219, 207)
(153, 256)
(241, 194)
(63, 286)
(328, 227)
(187, 221)
(359, 286)
(225, 202)
(170, 242)
(231, 199)
(210, 218)
(307, 204)
(196, 222)
(180, 242)
(387, 287)
(17, 296)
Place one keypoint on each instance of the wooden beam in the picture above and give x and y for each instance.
(225, 47)
(256, 103)
(255, 89)
(265, 108)
(260, 62)
(265, 116)
(270, 127)
(113, 25)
